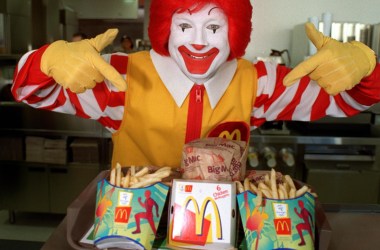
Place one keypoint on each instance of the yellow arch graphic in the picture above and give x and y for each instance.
(121, 214)
(282, 224)
(200, 214)
(230, 136)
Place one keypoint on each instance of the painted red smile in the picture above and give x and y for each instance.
(198, 63)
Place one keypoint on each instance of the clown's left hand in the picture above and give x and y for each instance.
(336, 66)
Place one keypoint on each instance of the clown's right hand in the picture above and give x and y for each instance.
(79, 66)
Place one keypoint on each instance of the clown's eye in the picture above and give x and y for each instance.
(213, 27)
(185, 26)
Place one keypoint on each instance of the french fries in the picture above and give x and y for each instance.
(239, 186)
(118, 174)
(137, 179)
(270, 187)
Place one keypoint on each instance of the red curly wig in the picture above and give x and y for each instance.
(238, 13)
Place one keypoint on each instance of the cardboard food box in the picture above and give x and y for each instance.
(127, 218)
(278, 224)
(85, 150)
(40, 149)
(34, 149)
(202, 215)
(214, 158)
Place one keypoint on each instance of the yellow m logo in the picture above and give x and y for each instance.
(282, 224)
(200, 214)
(122, 214)
(235, 135)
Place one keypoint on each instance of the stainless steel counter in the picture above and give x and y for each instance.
(295, 138)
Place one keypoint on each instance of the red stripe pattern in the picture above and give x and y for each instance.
(304, 100)
(103, 103)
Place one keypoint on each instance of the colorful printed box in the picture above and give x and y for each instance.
(202, 215)
(278, 224)
(128, 218)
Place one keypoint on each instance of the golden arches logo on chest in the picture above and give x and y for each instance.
(235, 135)
(238, 130)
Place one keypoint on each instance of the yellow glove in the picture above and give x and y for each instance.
(336, 66)
(79, 66)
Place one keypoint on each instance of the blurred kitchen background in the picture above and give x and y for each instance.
(47, 159)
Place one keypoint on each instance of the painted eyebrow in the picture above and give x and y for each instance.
(188, 10)
(209, 12)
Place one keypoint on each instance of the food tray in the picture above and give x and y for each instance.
(80, 213)
(80, 217)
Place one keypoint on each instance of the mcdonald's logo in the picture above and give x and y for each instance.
(283, 226)
(122, 214)
(200, 214)
(188, 188)
(236, 130)
(235, 135)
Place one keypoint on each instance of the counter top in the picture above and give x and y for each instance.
(354, 229)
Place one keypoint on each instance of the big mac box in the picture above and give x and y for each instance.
(214, 158)
(277, 222)
(202, 215)
(127, 218)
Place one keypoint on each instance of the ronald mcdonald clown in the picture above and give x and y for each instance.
(193, 83)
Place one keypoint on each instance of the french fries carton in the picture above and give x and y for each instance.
(277, 223)
(202, 215)
(128, 218)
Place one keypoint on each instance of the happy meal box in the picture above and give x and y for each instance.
(278, 224)
(202, 215)
(128, 218)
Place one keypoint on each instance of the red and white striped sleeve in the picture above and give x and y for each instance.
(305, 100)
(103, 103)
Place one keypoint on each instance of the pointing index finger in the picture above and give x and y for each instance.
(316, 37)
(109, 73)
(304, 69)
(103, 40)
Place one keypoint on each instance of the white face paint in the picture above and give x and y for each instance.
(198, 42)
